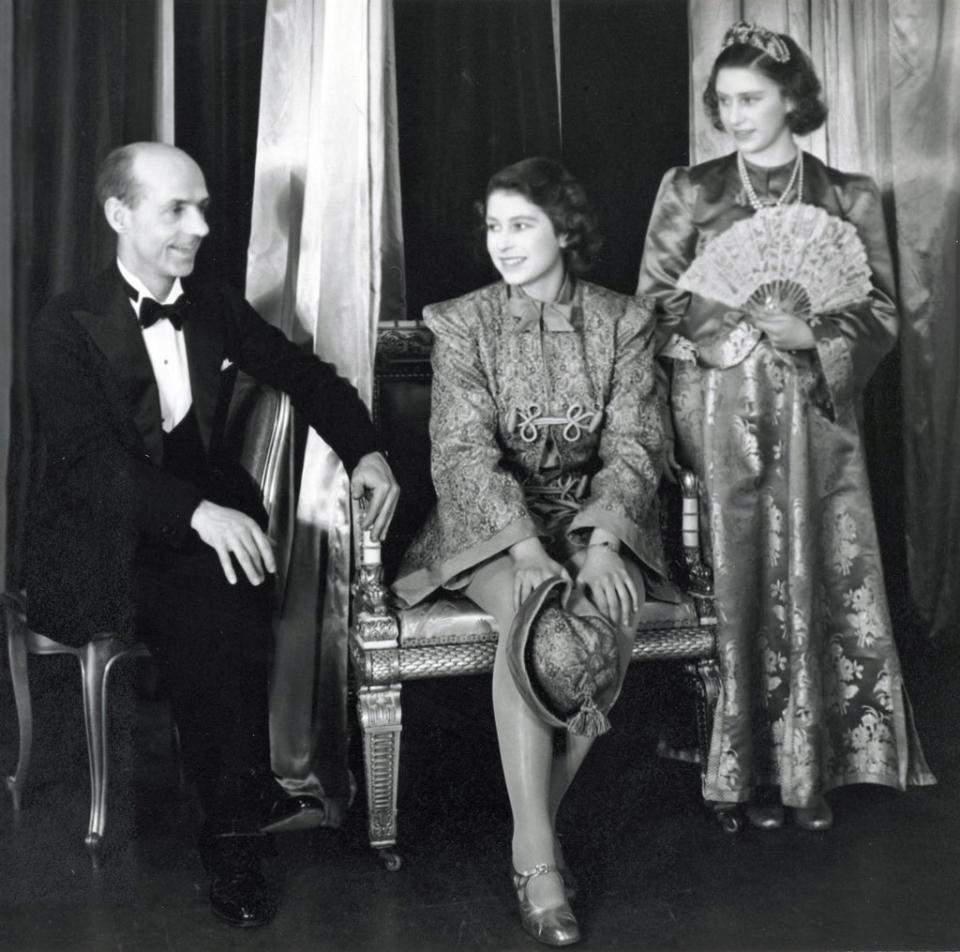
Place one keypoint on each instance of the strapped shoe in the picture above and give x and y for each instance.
(555, 925)
(239, 893)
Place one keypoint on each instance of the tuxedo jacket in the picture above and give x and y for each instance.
(103, 492)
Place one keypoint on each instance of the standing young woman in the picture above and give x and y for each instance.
(765, 408)
(546, 454)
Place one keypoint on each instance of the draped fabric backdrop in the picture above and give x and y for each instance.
(888, 68)
(6, 259)
(83, 83)
(325, 264)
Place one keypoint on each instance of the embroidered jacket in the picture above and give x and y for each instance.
(538, 431)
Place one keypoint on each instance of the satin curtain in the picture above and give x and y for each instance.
(324, 264)
(888, 68)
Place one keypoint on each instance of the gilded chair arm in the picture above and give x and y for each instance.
(699, 576)
(369, 592)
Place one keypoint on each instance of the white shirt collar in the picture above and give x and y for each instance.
(143, 291)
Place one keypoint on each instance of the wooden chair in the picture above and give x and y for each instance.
(259, 432)
(448, 635)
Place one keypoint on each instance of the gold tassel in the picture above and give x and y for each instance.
(589, 721)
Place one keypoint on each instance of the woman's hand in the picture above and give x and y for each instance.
(532, 566)
(785, 331)
(670, 465)
(605, 578)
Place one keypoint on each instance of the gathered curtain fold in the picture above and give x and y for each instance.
(887, 69)
(325, 263)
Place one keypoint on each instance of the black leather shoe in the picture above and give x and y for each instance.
(289, 813)
(239, 893)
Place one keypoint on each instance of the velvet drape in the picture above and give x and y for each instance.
(218, 48)
(476, 83)
(83, 83)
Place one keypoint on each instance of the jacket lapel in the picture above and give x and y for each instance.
(113, 327)
(204, 340)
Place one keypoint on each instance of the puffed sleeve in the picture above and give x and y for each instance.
(479, 503)
(631, 442)
(850, 343)
(669, 248)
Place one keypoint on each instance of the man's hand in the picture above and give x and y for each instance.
(229, 532)
(373, 478)
(786, 331)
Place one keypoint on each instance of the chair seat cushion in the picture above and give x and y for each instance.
(450, 619)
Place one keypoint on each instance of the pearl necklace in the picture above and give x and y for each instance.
(755, 200)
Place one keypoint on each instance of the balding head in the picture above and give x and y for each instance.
(118, 175)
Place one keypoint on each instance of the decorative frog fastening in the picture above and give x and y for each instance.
(527, 421)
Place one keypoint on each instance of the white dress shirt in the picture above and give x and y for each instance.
(168, 354)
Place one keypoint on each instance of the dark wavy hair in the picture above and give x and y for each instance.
(797, 79)
(549, 186)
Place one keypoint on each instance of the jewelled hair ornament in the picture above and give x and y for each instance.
(751, 34)
(796, 258)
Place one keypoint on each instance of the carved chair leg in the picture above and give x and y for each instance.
(379, 713)
(20, 677)
(705, 676)
(95, 665)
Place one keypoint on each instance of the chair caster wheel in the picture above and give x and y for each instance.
(391, 861)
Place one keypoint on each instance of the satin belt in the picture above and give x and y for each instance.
(725, 350)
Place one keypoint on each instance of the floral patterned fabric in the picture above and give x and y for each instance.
(812, 694)
(538, 428)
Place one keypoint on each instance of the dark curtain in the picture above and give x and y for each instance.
(218, 50)
(476, 89)
(83, 85)
(624, 87)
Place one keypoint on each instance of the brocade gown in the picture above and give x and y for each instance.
(812, 695)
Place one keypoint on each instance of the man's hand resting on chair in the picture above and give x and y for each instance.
(373, 478)
(231, 532)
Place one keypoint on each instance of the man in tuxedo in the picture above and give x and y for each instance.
(141, 528)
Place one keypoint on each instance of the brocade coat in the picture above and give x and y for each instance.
(812, 694)
(538, 432)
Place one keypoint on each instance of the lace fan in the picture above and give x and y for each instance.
(795, 258)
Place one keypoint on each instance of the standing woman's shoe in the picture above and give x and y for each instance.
(816, 817)
(554, 925)
(765, 816)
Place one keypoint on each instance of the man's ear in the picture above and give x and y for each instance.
(116, 213)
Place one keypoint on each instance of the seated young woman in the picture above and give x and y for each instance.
(546, 456)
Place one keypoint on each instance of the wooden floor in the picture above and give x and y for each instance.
(655, 871)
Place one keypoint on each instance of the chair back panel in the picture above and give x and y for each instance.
(401, 412)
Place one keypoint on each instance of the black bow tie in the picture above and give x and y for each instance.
(152, 311)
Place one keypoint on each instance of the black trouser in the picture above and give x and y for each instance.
(210, 640)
